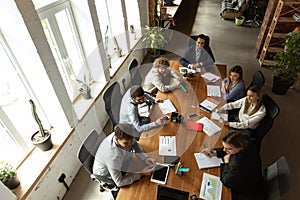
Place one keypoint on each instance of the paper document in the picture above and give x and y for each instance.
(167, 107)
(211, 187)
(213, 91)
(218, 116)
(210, 77)
(209, 127)
(205, 161)
(143, 110)
(209, 104)
(167, 145)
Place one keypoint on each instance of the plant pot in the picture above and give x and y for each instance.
(239, 20)
(280, 87)
(86, 93)
(43, 143)
(12, 182)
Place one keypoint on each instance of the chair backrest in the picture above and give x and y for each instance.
(272, 111)
(88, 150)
(257, 79)
(134, 72)
(277, 179)
(112, 98)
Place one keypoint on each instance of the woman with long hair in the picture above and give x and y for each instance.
(241, 167)
(251, 112)
(233, 87)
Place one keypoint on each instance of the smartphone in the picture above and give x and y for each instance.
(165, 118)
(194, 115)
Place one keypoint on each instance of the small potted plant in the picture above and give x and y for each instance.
(154, 39)
(41, 138)
(287, 64)
(8, 175)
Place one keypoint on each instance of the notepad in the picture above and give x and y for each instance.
(167, 107)
(194, 126)
(211, 187)
(209, 104)
(209, 127)
(205, 161)
(167, 146)
(210, 77)
(213, 91)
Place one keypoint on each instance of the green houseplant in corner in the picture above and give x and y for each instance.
(154, 39)
(41, 138)
(8, 175)
(287, 64)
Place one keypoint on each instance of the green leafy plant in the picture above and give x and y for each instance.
(7, 171)
(154, 38)
(287, 63)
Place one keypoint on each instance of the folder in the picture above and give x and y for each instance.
(195, 126)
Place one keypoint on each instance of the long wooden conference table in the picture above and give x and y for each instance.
(187, 141)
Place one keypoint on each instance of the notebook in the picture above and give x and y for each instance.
(167, 193)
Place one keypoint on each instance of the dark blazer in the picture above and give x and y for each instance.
(189, 57)
(243, 173)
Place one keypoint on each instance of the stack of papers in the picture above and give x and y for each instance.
(210, 77)
(213, 91)
(167, 146)
(204, 161)
(209, 104)
(167, 107)
(209, 127)
(211, 187)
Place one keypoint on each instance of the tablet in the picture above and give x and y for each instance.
(160, 174)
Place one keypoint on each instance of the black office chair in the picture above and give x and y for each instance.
(86, 156)
(257, 79)
(134, 72)
(272, 111)
(277, 180)
(112, 99)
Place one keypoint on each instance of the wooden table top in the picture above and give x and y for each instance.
(187, 141)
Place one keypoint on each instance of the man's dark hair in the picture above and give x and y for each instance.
(123, 131)
(136, 91)
(236, 139)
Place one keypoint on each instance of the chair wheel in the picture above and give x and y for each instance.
(101, 189)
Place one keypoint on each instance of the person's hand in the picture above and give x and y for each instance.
(226, 123)
(149, 168)
(226, 158)
(159, 100)
(209, 152)
(161, 120)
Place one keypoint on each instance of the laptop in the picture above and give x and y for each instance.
(167, 193)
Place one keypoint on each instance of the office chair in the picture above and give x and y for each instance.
(253, 10)
(257, 79)
(86, 156)
(134, 72)
(277, 179)
(112, 99)
(272, 111)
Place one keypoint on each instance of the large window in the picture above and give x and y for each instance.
(59, 27)
(16, 123)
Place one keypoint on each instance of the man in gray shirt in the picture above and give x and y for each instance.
(129, 112)
(115, 154)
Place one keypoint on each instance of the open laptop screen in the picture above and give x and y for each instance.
(167, 193)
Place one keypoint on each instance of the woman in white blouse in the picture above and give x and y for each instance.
(251, 112)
